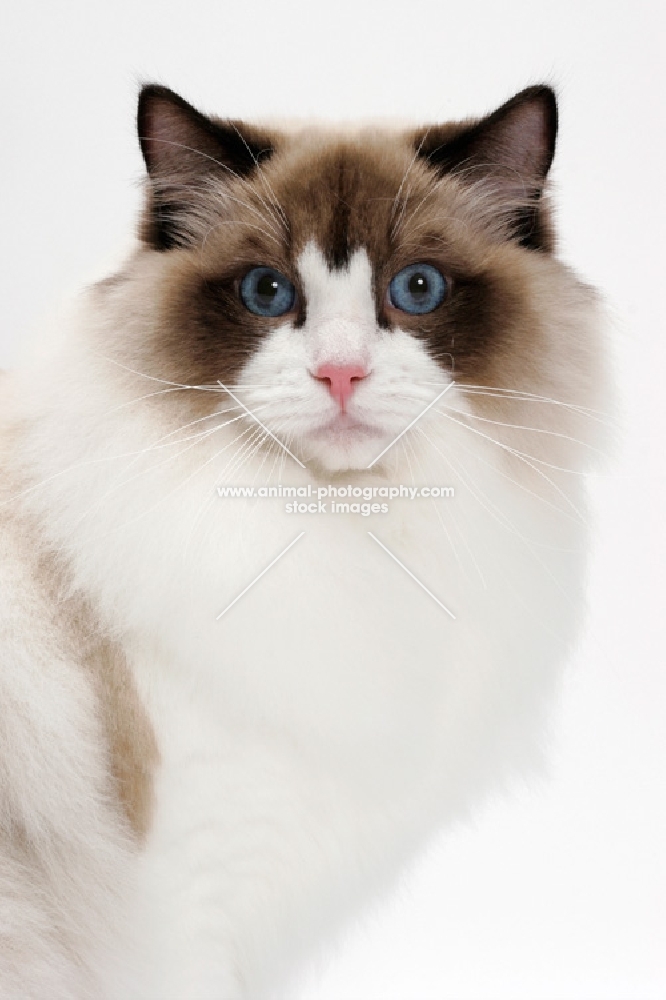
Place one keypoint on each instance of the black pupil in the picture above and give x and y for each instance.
(267, 287)
(418, 286)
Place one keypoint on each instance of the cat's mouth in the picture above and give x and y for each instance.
(344, 428)
(342, 442)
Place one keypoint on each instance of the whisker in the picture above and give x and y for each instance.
(264, 180)
(203, 509)
(238, 460)
(86, 463)
(148, 395)
(396, 200)
(235, 222)
(402, 222)
(204, 387)
(526, 427)
(408, 444)
(513, 451)
(180, 485)
(493, 509)
(523, 396)
(490, 507)
(530, 546)
(242, 180)
(116, 486)
(154, 378)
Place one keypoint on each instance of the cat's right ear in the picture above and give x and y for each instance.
(184, 150)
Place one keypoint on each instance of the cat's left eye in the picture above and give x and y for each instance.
(418, 289)
(266, 292)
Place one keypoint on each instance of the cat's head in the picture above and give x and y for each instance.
(336, 282)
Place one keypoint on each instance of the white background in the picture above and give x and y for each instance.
(560, 892)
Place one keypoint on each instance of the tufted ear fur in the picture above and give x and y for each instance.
(183, 149)
(513, 148)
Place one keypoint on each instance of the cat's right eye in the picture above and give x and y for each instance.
(265, 292)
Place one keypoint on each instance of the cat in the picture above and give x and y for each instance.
(227, 722)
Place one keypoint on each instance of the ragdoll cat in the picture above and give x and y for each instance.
(225, 723)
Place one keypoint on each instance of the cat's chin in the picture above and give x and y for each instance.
(336, 458)
(343, 443)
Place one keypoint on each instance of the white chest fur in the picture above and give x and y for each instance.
(335, 713)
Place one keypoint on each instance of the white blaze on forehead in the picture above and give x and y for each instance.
(339, 306)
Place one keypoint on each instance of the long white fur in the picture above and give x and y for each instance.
(315, 735)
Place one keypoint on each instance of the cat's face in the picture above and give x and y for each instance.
(336, 284)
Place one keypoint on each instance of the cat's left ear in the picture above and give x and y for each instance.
(184, 150)
(513, 148)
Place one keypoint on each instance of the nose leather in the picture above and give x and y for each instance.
(341, 380)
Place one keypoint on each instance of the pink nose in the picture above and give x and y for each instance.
(342, 380)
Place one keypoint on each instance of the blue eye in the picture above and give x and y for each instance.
(418, 289)
(266, 292)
